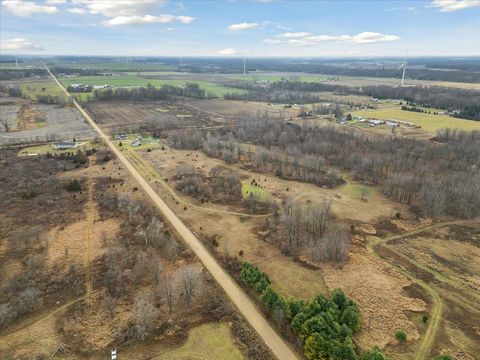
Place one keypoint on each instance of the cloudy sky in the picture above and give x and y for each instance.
(240, 27)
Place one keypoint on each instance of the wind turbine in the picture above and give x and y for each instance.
(244, 67)
(16, 61)
(404, 66)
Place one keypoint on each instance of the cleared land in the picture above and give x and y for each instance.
(60, 123)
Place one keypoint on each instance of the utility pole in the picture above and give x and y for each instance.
(244, 67)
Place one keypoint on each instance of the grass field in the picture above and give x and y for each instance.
(248, 188)
(428, 122)
(355, 191)
(207, 341)
(132, 80)
(41, 87)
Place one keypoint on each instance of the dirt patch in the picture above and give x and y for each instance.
(30, 117)
(378, 289)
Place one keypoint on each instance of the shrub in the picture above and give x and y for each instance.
(401, 336)
(425, 319)
(73, 185)
(444, 357)
(106, 158)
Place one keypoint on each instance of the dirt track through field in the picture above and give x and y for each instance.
(238, 297)
(423, 351)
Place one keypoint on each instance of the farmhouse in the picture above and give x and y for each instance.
(79, 88)
(375, 122)
(63, 145)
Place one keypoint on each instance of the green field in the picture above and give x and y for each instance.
(132, 80)
(428, 122)
(259, 193)
(43, 87)
(355, 191)
(207, 341)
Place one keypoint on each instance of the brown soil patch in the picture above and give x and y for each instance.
(30, 117)
(378, 289)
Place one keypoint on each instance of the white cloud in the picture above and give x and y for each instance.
(290, 35)
(273, 41)
(26, 8)
(113, 8)
(146, 19)
(242, 26)
(19, 44)
(77, 10)
(454, 5)
(56, 2)
(368, 37)
(307, 39)
(127, 12)
(229, 51)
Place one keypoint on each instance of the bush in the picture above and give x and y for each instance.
(425, 319)
(106, 158)
(374, 354)
(444, 357)
(254, 278)
(401, 336)
(73, 185)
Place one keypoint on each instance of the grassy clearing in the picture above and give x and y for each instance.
(428, 122)
(48, 148)
(44, 87)
(248, 188)
(147, 141)
(207, 341)
(132, 80)
(355, 191)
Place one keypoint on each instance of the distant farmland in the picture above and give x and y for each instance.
(132, 80)
(428, 122)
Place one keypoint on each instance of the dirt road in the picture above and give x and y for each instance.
(428, 338)
(241, 300)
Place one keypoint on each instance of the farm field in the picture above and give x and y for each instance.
(429, 122)
(132, 80)
(61, 123)
(123, 116)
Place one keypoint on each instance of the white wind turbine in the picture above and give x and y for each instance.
(404, 66)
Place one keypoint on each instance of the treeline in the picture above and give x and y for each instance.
(324, 325)
(435, 178)
(428, 96)
(151, 92)
(23, 73)
(273, 96)
(52, 100)
(286, 165)
(471, 112)
(13, 91)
